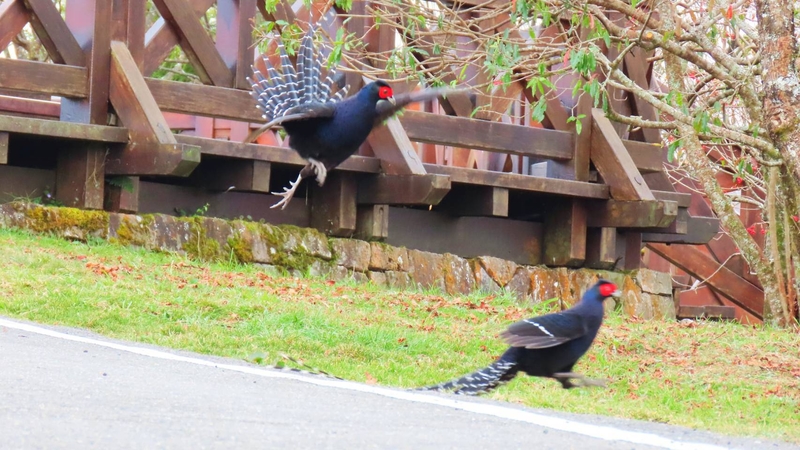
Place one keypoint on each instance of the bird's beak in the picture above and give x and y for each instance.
(392, 100)
(617, 293)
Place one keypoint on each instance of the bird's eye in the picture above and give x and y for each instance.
(385, 92)
(607, 289)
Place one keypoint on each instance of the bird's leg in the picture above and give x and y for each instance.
(566, 380)
(319, 169)
(287, 193)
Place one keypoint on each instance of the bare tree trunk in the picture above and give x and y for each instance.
(703, 170)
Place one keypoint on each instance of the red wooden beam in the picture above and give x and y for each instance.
(696, 263)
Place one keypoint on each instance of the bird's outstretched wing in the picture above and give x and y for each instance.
(386, 109)
(545, 331)
(281, 93)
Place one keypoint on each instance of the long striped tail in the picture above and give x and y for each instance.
(291, 87)
(500, 372)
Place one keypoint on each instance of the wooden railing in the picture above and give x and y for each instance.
(553, 196)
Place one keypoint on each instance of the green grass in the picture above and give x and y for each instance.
(716, 376)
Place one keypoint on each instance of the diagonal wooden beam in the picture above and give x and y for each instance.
(636, 66)
(13, 18)
(161, 38)
(153, 149)
(391, 144)
(195, 42)
(693, 261)
(614, 162)
(56, 37)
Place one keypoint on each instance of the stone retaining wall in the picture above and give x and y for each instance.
(646, 294)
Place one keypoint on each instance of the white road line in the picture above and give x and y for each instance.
(596, 431)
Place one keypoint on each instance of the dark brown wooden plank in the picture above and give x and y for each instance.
(391, 144)
(476, 201)
(601, 248)
(694, 262)
(24, 182)
(80, 176)
(631, 214)
(683, 200)
(614, 163)
(43, 78)
(235, 37)
(691, 312)
(647, 157)
(195, 42)
(161, 38)
(720, 312)
(636, 67)
(565, 235)
(659, 181)
(3, 148)
(280, 155)
(199, 100)
(432, 231)
(633, 250)
(65, 130)
(678, 226)
(403, 189)
(372, 222)
(700, 230)
(30, 107)
(333, 206)
(13, 18)
(567, 188)
(171, 198)
(54, 34)
(583, 140)
(122, 194)
(485, 135)
(247, 175)
(153, 149)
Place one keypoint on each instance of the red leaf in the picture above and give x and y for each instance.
(796, 218)
(752, 230)
(729, 13)
(566, 57)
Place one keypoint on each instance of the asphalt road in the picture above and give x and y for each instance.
(67, 388)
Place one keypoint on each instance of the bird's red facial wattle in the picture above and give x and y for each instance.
(607, 290)
(385, 93)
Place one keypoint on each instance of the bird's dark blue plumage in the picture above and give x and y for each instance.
(544, 346)
(323, 127)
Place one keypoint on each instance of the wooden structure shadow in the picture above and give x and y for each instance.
(95, 120)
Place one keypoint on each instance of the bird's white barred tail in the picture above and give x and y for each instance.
(281, 91)
(483, 380)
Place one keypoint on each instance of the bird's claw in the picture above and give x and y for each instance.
(319, 169)
(566, 378)
(287, 194)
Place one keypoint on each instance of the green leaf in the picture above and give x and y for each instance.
(537, 115)
(671, 149)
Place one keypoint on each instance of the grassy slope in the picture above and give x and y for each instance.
(722, 377)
